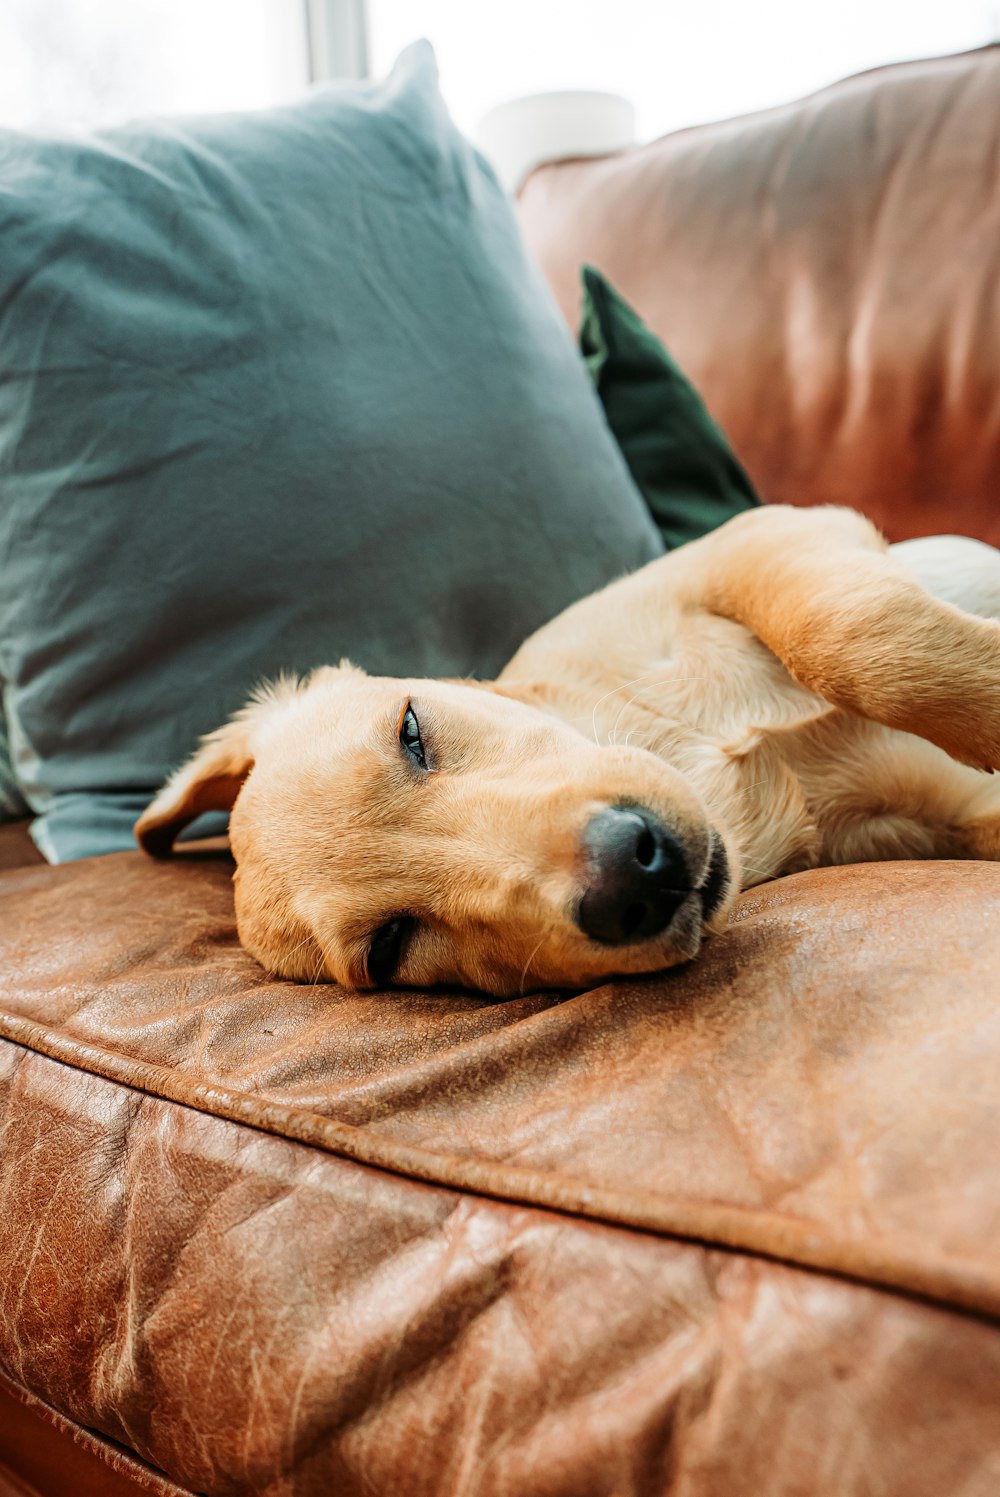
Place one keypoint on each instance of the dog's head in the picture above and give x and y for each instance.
(421, 832)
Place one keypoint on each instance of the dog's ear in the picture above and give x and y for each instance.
(213, 778)
(333, 675)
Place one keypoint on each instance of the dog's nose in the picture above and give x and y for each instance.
(638, 877)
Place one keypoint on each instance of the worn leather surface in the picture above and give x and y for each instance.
(828, 274)
(16, 846)
(43, 1455)
(731, 1230)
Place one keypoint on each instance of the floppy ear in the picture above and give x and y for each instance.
(213, 778)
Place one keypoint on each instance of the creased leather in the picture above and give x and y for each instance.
(43, 1455)
(405, 1119)
(253, 1312)
(828, 274)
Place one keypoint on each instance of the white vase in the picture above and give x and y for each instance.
(521, 134)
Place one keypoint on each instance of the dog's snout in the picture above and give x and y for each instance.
(637, 876)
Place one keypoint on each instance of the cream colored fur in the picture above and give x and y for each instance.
(786, 684)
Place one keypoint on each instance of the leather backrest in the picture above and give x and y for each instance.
(827, 273)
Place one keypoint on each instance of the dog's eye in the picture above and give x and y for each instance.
(386, 950)
(409, 736)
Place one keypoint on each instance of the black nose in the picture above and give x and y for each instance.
(638, 877)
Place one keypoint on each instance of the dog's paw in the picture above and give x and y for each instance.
(970, 734)
(953, 688)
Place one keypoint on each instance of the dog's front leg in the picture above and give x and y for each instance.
(850, 624)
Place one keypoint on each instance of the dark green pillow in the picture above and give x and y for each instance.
(678, 457)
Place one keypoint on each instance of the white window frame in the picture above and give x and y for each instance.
(337, 39)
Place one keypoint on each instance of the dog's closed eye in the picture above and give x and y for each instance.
(386, 950)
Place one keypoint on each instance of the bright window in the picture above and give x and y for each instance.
(679, 64)
(94, 62)
(91, 62)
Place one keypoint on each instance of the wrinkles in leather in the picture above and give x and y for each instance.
(253, 1313)
(42, 1452)
(259, 1317)
(785, 1092)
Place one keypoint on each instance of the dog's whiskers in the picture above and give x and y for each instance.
(672, 678)
(524, 969)
(613, 735)
(320, 956)
(299, 945)
(623, 686)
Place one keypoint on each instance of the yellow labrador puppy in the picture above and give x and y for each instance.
(781, 694)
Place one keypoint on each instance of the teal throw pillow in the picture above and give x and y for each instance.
(277, 388)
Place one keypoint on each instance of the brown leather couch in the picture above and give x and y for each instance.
(732, 1232)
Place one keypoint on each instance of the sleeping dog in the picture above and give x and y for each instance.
(781, 694)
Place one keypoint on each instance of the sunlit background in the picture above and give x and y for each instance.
(92, 62)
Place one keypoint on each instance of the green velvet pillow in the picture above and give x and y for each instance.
(678, 457)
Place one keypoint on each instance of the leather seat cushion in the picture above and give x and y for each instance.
(730, 1224)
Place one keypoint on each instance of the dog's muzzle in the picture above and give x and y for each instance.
(638, 877)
